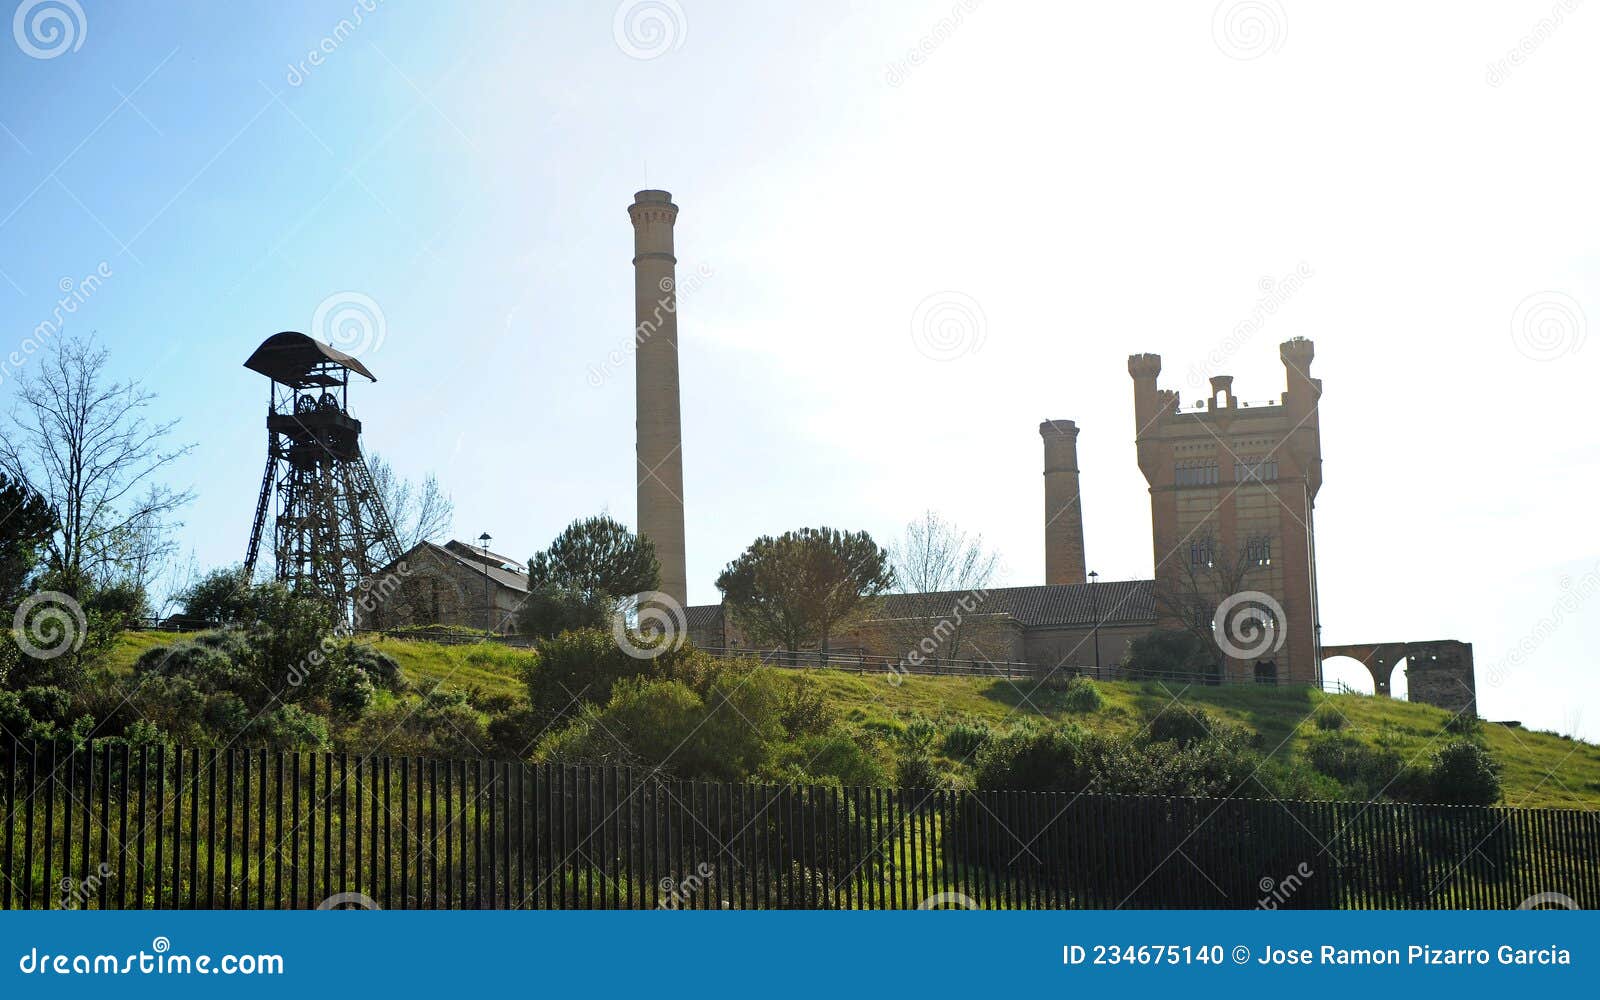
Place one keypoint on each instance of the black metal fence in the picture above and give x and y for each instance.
(109, 826)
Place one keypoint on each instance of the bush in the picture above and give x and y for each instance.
(1180, 724)
(1082, 696)
(579, 667)
(1464, 773)
(918, 736)
(1168, 653)
(1052, 760)
(965, 739)
(805, 711)
(381, 668)
(287, 727)
(1328, 718)
(832, 757)
(917, 770)
(664, 723)
(1352, 762)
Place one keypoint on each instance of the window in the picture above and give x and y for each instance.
(1259, 470)
(1258, 550)
(1201, 553)
(1195, 473)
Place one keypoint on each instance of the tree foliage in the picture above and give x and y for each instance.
(25, 530)
(803, 585)
(577, 581)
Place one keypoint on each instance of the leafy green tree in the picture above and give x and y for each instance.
(223, 596)
(26, 530)
(577, 581)
(1168, 652)
(803, 585)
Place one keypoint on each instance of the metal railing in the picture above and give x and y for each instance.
(109, 826)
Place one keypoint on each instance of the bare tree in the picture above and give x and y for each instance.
(1201, 574)
(936, 557)
(420, 513)
(84, 443)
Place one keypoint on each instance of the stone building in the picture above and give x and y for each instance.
(451, 584)
(1233, 486)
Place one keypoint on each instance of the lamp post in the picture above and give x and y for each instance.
(488, 615)
(1094, 603)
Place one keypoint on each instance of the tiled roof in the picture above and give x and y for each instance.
(509, 579)
(1119, 602)
(703, 616)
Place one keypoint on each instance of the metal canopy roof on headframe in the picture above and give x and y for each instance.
(290, 357)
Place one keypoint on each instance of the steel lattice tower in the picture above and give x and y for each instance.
(332, 533)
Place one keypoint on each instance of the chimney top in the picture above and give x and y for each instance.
(1058, 427)
(652, 196)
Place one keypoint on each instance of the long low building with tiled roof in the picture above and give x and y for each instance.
(1042, 626)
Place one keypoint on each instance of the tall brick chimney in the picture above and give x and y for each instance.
(1063, 515)
(658, 425)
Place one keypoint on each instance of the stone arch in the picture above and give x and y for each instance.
(1379, 658)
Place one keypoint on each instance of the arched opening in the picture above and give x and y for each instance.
(1346, 673)
(1398, 687)
(1266, 672)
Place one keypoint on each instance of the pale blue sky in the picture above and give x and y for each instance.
(1099, 179)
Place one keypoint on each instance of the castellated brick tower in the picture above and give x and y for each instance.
(658, 425)
(1063, 514)
(1232, 490)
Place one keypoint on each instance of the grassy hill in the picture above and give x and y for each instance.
(1539, 769)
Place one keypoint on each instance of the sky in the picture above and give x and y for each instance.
(918, 230)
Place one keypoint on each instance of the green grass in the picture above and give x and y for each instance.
(1540, 769)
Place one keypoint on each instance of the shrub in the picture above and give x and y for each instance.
(1180, 724)
(1464, 773)
(964, 739)
(917, 770)
(381, 668)
(1052, 760)
(1352, 762)
(664, 723)
(1166, 653)
(1328, 718)
(579, 667)
(1082, 696)
(833, 757)
(918, 736)
(805, 711)
(287, 727)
